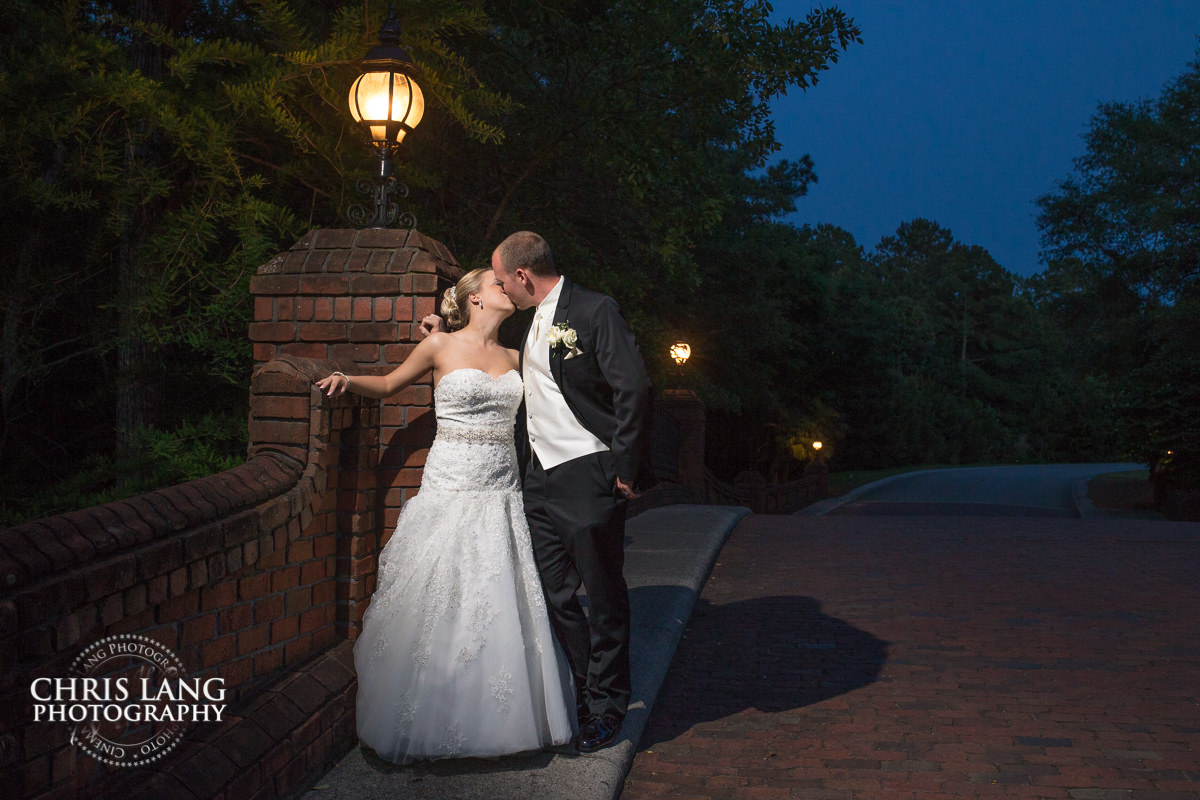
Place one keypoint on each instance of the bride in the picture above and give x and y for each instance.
(456, 657)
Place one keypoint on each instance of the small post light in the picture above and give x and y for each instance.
(387, 103)
(817, 446)
(681, 351)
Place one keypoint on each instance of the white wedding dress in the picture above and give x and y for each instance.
(456, 656)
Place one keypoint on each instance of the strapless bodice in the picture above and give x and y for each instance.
(473, 449)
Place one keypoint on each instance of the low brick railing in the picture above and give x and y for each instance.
(753, 491)
(258, 575)
(248, 575)
(784, 498)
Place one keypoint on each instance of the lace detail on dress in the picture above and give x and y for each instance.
(457, 628)
(473, 450)
(453, 741)
(406, 711)
(482, 615)
(442, 594)
(502, 691)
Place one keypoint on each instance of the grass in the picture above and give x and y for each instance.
(1122, 490)
(842, 482)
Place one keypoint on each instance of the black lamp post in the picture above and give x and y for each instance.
(387, 103)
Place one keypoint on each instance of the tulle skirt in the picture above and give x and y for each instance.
(456, 657)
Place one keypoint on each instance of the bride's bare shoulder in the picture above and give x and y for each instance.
(437, 341)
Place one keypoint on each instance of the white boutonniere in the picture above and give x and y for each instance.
(563, 340)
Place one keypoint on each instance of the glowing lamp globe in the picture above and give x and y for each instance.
(681, 351)
(387, 103)
(385, 100)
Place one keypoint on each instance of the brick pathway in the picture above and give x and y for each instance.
(936, 659)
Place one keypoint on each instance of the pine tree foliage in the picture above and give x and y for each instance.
(157, 154)
(630, 130)
(1123, 236)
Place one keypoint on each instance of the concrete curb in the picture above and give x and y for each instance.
(1083, 504)
(669, 554)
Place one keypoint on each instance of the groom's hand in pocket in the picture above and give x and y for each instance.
(624, 489)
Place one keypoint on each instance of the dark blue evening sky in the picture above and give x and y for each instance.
(966, 111)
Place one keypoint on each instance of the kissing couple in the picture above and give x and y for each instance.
(475, 642)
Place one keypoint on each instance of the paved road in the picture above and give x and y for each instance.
(995, 649)
(936, 658)
(1046, 490)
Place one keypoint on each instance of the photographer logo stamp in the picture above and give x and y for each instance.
(128, 699)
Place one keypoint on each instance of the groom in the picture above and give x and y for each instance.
(579, 441)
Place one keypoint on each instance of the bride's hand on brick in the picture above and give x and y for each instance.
(334, 384)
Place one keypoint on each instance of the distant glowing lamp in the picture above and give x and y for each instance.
(817, 445)
(681, 351)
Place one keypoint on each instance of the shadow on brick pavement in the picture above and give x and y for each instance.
(789, 655)
(936, 658)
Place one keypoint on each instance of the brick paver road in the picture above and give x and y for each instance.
(936, 658)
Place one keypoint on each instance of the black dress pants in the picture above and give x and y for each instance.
(577, 525)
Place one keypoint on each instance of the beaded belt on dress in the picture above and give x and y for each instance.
(500, 434)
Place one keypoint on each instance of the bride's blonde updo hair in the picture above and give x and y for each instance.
(456, 307)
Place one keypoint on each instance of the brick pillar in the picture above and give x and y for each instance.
(817, 472)
(348, 296)
(355, 298)
(688, 411)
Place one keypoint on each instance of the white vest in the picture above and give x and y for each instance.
(554, 433)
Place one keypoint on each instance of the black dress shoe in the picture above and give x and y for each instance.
(598, 733)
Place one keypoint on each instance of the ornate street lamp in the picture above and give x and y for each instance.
(387, 103)
(681, 351)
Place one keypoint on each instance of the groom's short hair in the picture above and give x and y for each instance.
(528, 251)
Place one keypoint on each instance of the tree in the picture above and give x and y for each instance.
(965, 367)
(1131, 208)
(1124, 273)
(630, 132)
(928, 351)
(156, 154)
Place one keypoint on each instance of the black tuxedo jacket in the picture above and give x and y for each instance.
(605, 385)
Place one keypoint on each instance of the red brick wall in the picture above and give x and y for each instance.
(356, 298)
(254, 575)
